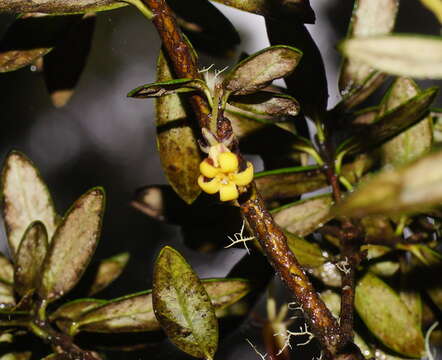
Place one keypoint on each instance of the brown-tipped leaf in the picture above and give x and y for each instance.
(415, 141)
(384, 313)
(370, 17)
(415, 56)
(260, 69)
(64, 65)
(30, 256)
(73, 245)
(179, 151)
(409, 189)
(58, 7)
(170, 87)
(30, 37)
(108, 271)
(303, 217)
(6, 270)
(183, 307)
(25, 199)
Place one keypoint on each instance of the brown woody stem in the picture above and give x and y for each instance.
(272, 239)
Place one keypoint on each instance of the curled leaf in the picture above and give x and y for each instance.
(163, 88)
(108, 271)
(182, 306)
(72, 246)
(415, 56)
(30, 256)
(30, 37)
(303, 217)
(260, 69)
(25, 199)
(384, 313)
(179, 151)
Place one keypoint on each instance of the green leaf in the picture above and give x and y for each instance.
(386, 316)
(369, 18)
(25, 199)
(376, 257)
(59, 7)
(206, 26)
(64, 65)
(415, 141)
(108, 271)
(73, 245)
(260, 69)
(68, 314)
(267, 104)
(303, 217)
(179, 151)
(289, 9)
(182, 306)
(135, 313)
(391, 123)
(408, 189)
(308, 254)
(30, 256)
(6, 270)
(415, 56)
(30, 37)
(169, 87)
(308, 83)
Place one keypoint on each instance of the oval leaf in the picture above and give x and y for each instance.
(415, 141)
(225, 292)
(267, 104)
(260, 69)
(163, 88)
(370, 17)
(182, 306)
(404, 55)
(30, 256)
(308, 254)
(25, 199)
(303, 217)
(108, 271)
(409, 189)
(73, 245)
(179, 152)
(384, 313)
(6, 270)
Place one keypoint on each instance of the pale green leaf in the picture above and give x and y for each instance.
(30, 256)
(25, 199)
(183, 307)
(415, 56)
(386, 316)
(163, 88)
(259, 70)
(73, 245)
(6, 270)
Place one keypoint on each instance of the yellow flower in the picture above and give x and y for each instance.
(220, 173)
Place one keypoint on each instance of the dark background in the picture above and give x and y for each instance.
(103, 138)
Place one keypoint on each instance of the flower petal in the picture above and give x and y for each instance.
(228, 162)
(210, 187)
(228, 192)
(207, 169)
(244, 177)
